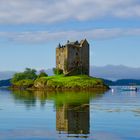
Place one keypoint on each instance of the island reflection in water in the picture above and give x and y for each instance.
(72, 109)
(37, 115)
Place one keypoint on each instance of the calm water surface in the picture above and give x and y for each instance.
(74, 116)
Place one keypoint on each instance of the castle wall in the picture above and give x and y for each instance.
(73, 57)
(61, 57)
(85, 59)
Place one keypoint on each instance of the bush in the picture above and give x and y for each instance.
(57, 71)
(24, 83)
(42, 74)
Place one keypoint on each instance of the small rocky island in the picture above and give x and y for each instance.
(60, 82)
(79, 82)
(71, 72)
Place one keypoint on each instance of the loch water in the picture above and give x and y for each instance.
(40, 115)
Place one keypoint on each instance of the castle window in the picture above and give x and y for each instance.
(76, 53)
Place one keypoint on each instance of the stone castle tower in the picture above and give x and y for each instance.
(73, 57)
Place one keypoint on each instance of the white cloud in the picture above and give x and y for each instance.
(47, 11)
(45, 37)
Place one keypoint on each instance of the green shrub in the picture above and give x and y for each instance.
(27, 74)
(57, 71)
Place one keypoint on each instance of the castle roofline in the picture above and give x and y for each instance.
(83, 41)
(74, 43)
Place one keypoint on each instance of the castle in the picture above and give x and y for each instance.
(73, 57)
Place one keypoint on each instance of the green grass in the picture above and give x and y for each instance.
(61, 82)
(79, 81)
(24, 83)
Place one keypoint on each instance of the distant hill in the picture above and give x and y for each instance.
(6, 74)
(113, 72)
(110, 72)
(4, 83)
(49, 72)
(122, 82)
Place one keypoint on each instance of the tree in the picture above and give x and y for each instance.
(27, 74)
(42, 74)
(30, 74)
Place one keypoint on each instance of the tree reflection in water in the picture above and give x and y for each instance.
(72, 108)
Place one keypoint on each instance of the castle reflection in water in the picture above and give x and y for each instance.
(73, 119)
(72, 109)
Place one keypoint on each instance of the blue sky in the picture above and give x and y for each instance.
(31, 29)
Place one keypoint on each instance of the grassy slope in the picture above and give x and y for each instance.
(79, 81)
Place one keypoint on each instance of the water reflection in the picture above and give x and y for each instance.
(26, 97)
(30, 98)
(73, 119)
(69, 115)
(72, 109)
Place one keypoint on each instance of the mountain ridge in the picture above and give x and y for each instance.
(115, 72)
(111, 72)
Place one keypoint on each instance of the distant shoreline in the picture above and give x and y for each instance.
(120, 82)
